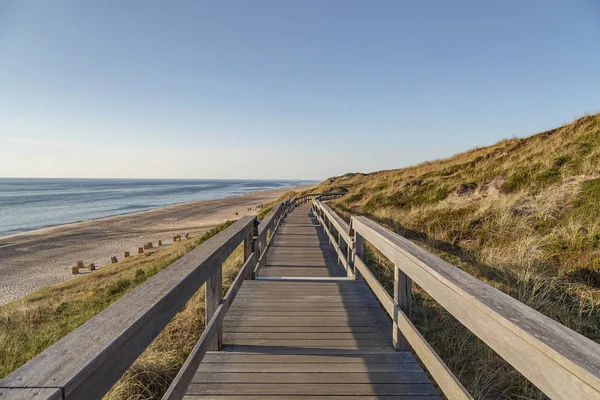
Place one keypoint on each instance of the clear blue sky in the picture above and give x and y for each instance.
(282, 89)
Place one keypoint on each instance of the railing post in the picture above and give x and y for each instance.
(213, 296)
(359, 251)
(402, 297)
(339, 240)
(249, 248)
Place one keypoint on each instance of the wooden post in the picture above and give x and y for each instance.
(349, 247)
(402, 297)
(339, 240)
(359, 251)
(249, 248)
(213, 296)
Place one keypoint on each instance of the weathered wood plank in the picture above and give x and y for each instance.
(213, 294)
(311, 377)
(308, 343)
(124, 330)
(449, 384)
(303, 335)
(290, 367)
(306, 329)
(328, 397)
(178, 387)
(30, 393)
(345, 358)
(340, 225)
(559, 361)
(377, 389)
(308, 350)
(233, 290)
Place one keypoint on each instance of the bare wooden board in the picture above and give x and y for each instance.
(318, 389)
(30, 393)
(306, 339)
(292, 397)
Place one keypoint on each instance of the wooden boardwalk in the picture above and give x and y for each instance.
(295, 325)
(303, 330)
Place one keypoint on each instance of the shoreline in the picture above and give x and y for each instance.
(43, 257)
(33, 231)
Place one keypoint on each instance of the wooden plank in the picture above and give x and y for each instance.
(449, 384)
(328, 359)
(289, 367)
(302, 335)
(295, 397)
(30, 393)
(307, 329)
(295, 306)
(285, 313)
(403, 298)
(178, 387)
(123, 330)
(213, 294)
(340, 285)
(559, 361)
(302, 273)
(310, 321)
(377, 389)
(285, 378)
(322, 323)
(307, 350)
(312, 295)
(308, 343)
(277, 295)
(339, 224)
(237, 283)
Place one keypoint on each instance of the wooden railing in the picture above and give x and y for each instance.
(266, 232)
(86, 363)
(560, 362)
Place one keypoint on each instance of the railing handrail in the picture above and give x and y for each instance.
(559, 361)
(88, 361)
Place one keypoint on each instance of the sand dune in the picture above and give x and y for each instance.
(36, 259)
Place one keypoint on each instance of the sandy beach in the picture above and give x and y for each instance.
(33, 260)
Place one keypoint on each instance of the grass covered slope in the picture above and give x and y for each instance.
(522, 215)
(30, 325)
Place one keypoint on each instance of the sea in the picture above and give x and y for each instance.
(28, 204)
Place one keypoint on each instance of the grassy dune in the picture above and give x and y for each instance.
(30, 325)
(522, 215)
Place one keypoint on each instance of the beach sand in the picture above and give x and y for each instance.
(36, 259)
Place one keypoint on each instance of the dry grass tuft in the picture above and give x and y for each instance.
(522, 215)
(30, 325)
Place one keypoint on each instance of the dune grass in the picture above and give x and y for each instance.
(30, 325)
(522, 215)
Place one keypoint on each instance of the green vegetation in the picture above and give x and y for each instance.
(30, 325)
(522, 215)
(263, 213)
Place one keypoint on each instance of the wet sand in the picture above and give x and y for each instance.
(32, 260)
